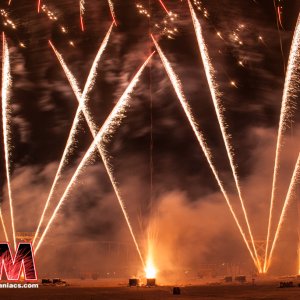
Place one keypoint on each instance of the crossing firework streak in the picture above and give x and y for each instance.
(93, 129)
(108, 127)
(112, 11)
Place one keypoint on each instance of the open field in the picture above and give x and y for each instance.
(92, 290)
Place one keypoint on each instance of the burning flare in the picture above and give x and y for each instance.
(93, 129)
(150, 269)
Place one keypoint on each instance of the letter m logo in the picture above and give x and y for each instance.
(23, 260)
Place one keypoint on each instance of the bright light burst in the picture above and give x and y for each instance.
(150, 269)
(152, 238)
(167, 26)
(93, 129)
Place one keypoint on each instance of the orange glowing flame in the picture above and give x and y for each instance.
(150, 269)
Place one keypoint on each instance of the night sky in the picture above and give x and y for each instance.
(243, 39)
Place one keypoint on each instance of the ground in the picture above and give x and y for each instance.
(104, 290)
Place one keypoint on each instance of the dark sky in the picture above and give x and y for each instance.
(43, 104)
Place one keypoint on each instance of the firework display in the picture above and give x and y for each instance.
(100, 150)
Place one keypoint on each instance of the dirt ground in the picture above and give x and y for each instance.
(104, 290)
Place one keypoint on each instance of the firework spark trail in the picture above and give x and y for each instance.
(279, 23)
(108, 127)
(112, 11)
(3, 225)
(82, 10)
(6, 84)
(279, 14)
(287, 108)
(291, 192)
(93, 129)
(74, 129)
(209, 71)
(178, 89)
(163, 6)
(3, 76)
(39, 6)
